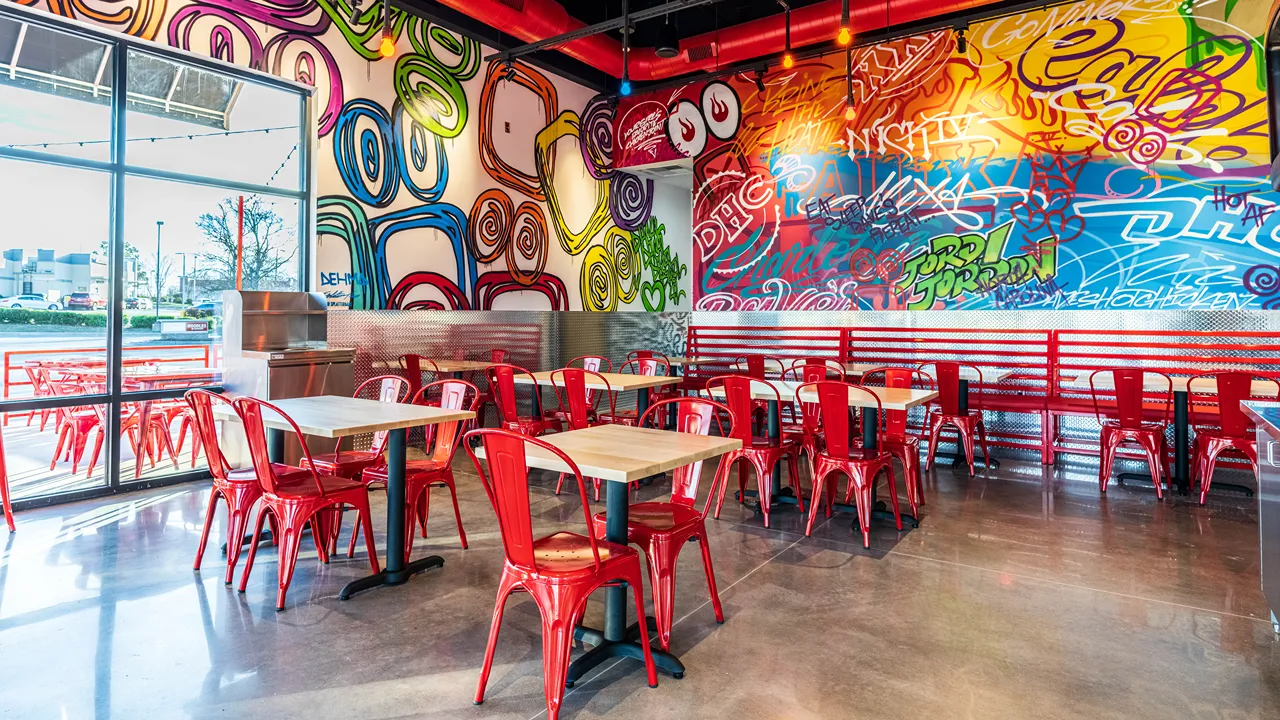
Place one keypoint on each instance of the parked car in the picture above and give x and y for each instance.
(38, 302)
(204, 309)
(79, 301)
(137, 303)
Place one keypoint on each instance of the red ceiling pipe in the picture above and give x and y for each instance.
(810, 25)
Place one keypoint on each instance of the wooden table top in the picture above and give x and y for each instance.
(334, 416)
(444, 365)
(989, 374)
(682, 361)
(617, 381)
(625, 454)
(1157, 384)
(890, 398)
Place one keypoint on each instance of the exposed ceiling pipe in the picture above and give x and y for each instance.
(810, 25)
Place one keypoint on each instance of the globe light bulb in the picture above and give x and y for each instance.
(624, 88)
(850, 113)
(844, 37)
(788, 62)
(387, 47)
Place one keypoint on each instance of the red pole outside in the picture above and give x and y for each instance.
(240, 245)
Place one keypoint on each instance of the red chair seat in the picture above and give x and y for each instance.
(566, 553)
(299, 483)
(413, 467)
(658, 516)
(1146, 426)
(347, 464)
(249, 475)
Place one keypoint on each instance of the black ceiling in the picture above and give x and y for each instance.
(693, 21)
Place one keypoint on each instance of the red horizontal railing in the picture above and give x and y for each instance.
(15, 359)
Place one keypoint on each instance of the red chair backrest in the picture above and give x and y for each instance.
(503, 386)
(452, 395)
(507, 485)
(597, 363)
(1232, 387)
(833, 408)
(1128, 391)
(814, 369)
(250, 411)
(895, 421)
(413, 366)
(948, 379)
(499, 356)
(650, 367)
(738, 396)
(201, 404)
(391, 389)
(693, 416)
(576, 402)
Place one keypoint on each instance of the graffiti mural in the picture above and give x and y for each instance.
(443, 182)
(1088, 156)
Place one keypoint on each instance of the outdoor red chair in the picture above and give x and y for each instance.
(434, 471)
(560, 571)
(757, 452)
(4, 488)
(663, 529)
(1233, 431)
(648, 367)
(947, 411)
(39, 378)
(1130, 424)
(238, 489)
(594, 363)
(577, 405)
(502, 386)
(894, 437)
(487, 398)
(862, 466)
(294, 498)
(350, 463)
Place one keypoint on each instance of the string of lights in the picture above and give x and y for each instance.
(192, 136)
(292, 150)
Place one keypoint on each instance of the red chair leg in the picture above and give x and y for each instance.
(764, 483)
(362, 503)
(815, 496)
(253, 546)
(893, 493)
(863, 493)
(728, 463)
(457, 514)
(793, 474)
(982, 437)
(558, 605)
(288, 546)
(238, 506)
(208, 523)
(662, 584)
(711, 575)
(559, 483)
(96, 453)
(1155, 460)
(637, 588)
(505, 586)
(1105, 460)
(935, 431)
(966, 442)
(1210, 463)
(355, 533)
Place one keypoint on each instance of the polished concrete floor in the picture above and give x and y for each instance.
(1023, 594)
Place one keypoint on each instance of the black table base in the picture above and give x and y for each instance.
(396, 571)
(629, 647)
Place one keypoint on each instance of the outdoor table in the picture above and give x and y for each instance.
(620, 455)
(1181, 414)
(338, 416)
(890, 399)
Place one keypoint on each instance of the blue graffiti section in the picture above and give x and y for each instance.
(1043, 231)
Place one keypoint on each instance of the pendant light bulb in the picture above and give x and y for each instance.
(387, 47)
(844, 37)
(850, 113)
(788, 61)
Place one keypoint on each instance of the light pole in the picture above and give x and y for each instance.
(159, 224)
(195, 273)
(182, 282)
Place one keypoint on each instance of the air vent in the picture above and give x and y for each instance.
(702, 52)
(517, 5)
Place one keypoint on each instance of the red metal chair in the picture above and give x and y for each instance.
(350, 463)
(497, 357)
(437, 469)
(894, 437)
(594, 363)
(812, 369)
(806, 431)
(577, 406)
(1233, 431)
(861, 465)
(947, 411)
(657, 394)
(559, 571)
(502, 386)
(1130, 424)
(757, 452)
(761, 366)
(239, 489)
(662, 529)
(649, 367)
(4, 488)
(40, 382)
(294, 498)
(413, 366)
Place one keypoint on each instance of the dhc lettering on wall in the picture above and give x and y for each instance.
(1101, 155)
(434, 188)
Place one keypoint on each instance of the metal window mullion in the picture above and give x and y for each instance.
(115, 252)
(213, 182)
(306, 261)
